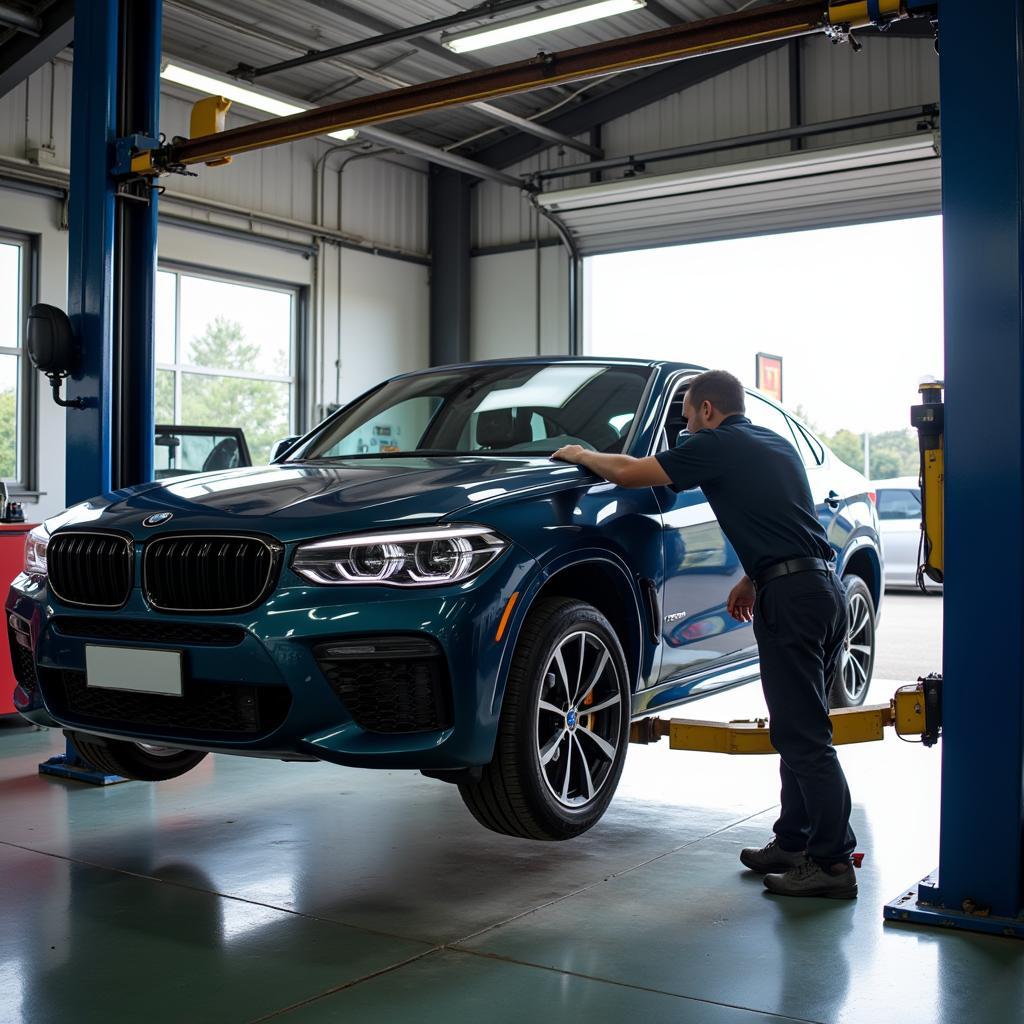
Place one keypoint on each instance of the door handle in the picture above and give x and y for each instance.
(832, 500)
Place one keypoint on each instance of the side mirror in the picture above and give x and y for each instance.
(52, 347)
(282, 447)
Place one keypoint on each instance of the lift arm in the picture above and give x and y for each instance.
(789, 20)
(914, 711)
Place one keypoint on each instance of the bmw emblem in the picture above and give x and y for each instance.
(157, 519)
(570, 719)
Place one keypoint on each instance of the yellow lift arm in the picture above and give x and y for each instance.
(913, 711)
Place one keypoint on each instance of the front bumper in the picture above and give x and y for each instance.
(272, 670)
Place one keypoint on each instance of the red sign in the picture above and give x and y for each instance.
(769, 375)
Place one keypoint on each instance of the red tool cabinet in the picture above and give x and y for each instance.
(12, 559)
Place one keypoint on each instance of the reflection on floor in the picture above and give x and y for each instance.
(305, 893)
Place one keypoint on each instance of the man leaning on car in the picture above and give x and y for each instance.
(757, 487)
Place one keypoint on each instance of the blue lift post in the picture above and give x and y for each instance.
(979, 885)
(111, 266)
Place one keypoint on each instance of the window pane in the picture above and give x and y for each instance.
(9, 417)
(765, 415)
(10, 295)
(259, 407)
(165, 314)
(898, 504)
(165, 397)
(235, 327)
(180, 454)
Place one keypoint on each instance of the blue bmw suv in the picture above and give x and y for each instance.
(416, 584)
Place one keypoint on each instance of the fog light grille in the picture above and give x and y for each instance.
(390, 684)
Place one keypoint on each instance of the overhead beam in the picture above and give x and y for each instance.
(641, 92)
(439, 157)
(25, 54)
(768, 24)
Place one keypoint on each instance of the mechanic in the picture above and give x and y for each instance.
(757, 487)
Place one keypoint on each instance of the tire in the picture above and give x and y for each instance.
(523, 792)
(852, 677)
(138, 761)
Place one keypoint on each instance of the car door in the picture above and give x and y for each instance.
(899, 514)
(701, 568)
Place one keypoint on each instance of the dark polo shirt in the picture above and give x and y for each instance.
(757, 487)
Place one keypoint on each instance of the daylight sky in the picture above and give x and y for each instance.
(855, 312)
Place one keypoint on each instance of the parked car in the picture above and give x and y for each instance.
(180, 451)
(416, 584)
(899, 515)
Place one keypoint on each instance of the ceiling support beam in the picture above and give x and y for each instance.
(25, 54)
(641, 92)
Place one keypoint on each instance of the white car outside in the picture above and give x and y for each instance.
(899, 515)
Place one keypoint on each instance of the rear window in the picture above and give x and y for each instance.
(898, 503)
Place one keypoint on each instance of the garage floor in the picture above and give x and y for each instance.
(251, 891)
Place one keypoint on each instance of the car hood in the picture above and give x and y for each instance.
(293, 501)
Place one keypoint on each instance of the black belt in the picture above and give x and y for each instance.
(792, 565)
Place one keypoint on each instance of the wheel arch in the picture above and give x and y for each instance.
(862, 560)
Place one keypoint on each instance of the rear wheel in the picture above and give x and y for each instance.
(564, 728)
(145, 762)
(857, 660)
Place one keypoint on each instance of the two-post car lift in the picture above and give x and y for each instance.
(117, 154)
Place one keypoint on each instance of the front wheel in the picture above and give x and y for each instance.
(144, 762)
(857, 659)
(564, 728)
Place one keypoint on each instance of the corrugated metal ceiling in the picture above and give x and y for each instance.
(220, 34)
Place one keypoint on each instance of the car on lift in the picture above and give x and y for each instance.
(416, 584)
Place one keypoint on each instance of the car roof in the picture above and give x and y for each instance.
(562, 360)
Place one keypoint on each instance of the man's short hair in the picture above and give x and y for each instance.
(721, 389)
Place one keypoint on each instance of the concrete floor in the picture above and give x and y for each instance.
(251, 891)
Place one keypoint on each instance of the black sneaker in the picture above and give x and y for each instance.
(771, 858)
(811, 879)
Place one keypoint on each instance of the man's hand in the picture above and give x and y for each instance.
(741, 601)
(570, 453)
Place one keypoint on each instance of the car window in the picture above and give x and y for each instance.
(516, 408)
(808, 445)
(898, 503)
(765, 415)
(177, 454)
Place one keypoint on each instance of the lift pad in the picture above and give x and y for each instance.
(913, 711)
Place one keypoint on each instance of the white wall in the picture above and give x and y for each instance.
(503, 304)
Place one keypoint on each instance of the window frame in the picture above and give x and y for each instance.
(297, 381)
(25, 484)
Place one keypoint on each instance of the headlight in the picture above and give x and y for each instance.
(404, 558)
(35, 551)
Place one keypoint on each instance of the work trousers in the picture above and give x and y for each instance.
(800, 625)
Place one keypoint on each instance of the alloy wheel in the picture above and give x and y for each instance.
(579, 717)
(857, 651)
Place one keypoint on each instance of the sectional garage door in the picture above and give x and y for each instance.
(852, 184)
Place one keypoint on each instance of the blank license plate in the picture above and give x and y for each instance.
(133, 668)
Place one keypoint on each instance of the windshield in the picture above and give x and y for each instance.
(488, 410)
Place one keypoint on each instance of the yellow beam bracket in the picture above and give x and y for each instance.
(209, 116)
(905, 713)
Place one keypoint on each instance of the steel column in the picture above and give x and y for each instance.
(136, 231)
(450, 220)
(91, 246)
(980, 885)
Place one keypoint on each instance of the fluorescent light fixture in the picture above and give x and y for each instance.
(213, 86)
(535, 24)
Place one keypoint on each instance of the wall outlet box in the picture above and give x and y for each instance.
(42, 156)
